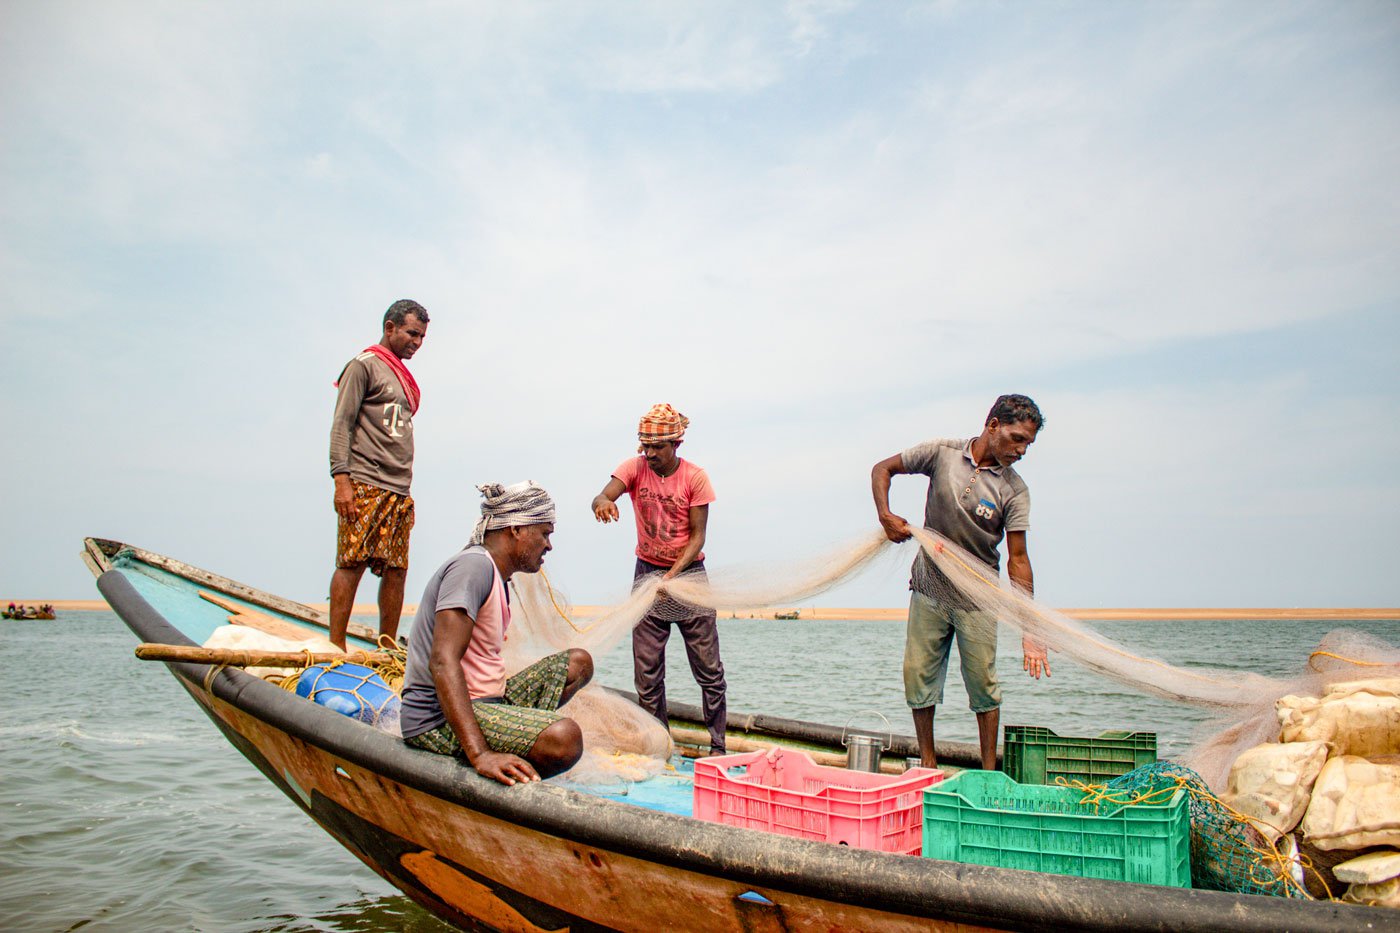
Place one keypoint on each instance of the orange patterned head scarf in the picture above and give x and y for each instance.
(662, 423)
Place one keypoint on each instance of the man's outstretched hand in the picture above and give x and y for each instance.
(1034, 659)
(604, 509)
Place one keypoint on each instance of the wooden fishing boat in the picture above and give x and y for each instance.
(535, 857)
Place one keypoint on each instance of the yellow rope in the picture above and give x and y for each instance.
(1274, 861)
(209, 676)
(549, 587)
(1328, 654)
(289, 683)
(391, 671)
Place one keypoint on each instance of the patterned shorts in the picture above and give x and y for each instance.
(378, 536)
(512, 723)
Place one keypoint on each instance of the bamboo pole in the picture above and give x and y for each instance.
(685, 738)
(237, 657)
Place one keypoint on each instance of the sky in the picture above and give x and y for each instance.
(824, 231)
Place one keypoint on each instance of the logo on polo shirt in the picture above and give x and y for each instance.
(394, 419)
(986, 509)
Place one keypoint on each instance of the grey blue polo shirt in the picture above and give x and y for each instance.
(971, 506)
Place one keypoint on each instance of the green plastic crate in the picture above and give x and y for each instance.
(1033, 755)
(985, 818)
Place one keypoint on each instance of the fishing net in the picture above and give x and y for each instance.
(1227, 852)
(1243, 702)
(542, 622)
(621, 741)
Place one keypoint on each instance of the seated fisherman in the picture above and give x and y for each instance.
(457, 699)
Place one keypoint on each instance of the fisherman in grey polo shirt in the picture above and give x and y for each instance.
(974, 497)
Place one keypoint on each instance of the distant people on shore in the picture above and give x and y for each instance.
(371, 458)
(671, 500)
(974, 498)
(457, 699)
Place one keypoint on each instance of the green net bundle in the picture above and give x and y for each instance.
(1227, 854)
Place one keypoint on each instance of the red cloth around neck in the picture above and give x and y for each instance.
(410, 385)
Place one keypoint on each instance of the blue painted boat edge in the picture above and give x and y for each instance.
(988, 897)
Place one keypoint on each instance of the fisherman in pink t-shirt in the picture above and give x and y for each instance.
(671, 498)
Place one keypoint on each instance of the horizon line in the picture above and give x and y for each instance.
(896, 613)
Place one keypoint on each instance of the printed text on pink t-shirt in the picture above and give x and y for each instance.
(662, 505)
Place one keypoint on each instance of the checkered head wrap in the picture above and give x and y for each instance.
(511, 506)
(662, 423)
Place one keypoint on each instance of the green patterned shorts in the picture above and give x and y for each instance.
(531, 698)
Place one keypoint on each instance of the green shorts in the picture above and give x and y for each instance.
(513, 722)
(929, 641)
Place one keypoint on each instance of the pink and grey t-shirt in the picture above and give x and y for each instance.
(662, 505)
(468, 581)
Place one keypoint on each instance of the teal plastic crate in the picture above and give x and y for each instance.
(1034, 755)
(985, 818)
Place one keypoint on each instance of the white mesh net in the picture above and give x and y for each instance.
(1244, 701)
(543, 624)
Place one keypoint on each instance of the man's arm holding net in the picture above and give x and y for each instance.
(896, 528)
(1034, 658)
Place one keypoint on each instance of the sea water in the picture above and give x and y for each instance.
(122, 808)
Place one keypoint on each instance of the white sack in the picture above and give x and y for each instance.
(1385, 894)
(1273, 784)
(1355, 805)
(1374, 879)
(1371, 868)
(246, 638)
(1359, 717)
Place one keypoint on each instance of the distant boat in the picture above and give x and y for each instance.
(481, 855)
(788, 616)
(27, 612)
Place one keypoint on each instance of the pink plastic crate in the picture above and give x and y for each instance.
(785, 791)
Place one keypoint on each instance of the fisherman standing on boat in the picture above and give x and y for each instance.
(974, 496)
(372, 466)
(671, 498)
(457, 699)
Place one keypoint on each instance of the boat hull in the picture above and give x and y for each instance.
(467, 866)
(542, 857)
